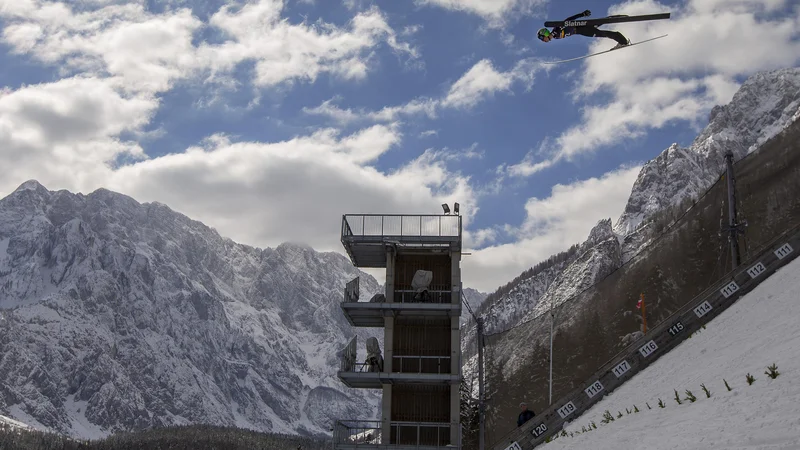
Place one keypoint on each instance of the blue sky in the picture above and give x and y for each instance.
(268, 119)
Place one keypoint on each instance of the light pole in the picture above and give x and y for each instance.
(552, 321)
(732, 225)
(481, 405)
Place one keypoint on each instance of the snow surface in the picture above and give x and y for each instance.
(5, 421)
(81, 425)
(758, 330)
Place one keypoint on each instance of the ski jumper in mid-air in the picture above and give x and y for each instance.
(546, 35)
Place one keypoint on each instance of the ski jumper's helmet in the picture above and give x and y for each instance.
(542, 33)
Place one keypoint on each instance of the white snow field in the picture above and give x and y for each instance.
(8, 422)
(760, 329)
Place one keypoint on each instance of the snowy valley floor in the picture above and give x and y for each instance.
(760, 329)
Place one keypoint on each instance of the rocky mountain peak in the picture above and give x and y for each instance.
(601, 232)
(120, 315)
(765, 104)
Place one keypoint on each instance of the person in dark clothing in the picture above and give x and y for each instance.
(525, 415)
(546, 35)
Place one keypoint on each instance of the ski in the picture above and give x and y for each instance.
(604, 51)
(605, 20)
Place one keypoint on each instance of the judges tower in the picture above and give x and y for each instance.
(419, 369)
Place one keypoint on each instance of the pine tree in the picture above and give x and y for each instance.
(772, 371)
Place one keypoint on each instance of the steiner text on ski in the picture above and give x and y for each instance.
(590, 28)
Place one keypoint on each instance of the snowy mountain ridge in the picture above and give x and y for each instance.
(764, 105)
(118, 315)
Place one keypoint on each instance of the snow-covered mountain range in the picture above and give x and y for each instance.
(766, 104)
(116, 315)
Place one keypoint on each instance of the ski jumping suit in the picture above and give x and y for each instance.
(590, 31)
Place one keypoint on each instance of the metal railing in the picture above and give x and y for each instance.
(368, 433)
(352, 290)
(401, 225)
(408, 296)
(421, 364)
(357, 432)
(400, 364)
(352, 294)
(349, 354)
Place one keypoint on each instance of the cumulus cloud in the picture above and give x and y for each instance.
(347, 116)
(150, 51)
(552, 225)
(293, 190)
(480, 82)
(495, 12)
(68, 130)
(282, 51)
(146, 51)
(428, 133)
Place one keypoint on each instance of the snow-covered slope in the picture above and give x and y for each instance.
(118, 315)
(759, 330)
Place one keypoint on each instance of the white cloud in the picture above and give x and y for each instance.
(337, 114)
(528, 167)
(480, 82)
(151, 51)
(68, 130)
(495, 12)
(552, 225)
(479, 238)
(283, 51)
(293, 190)
(147, 52)
(428, 133)
(649, 104)
(346, 116)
